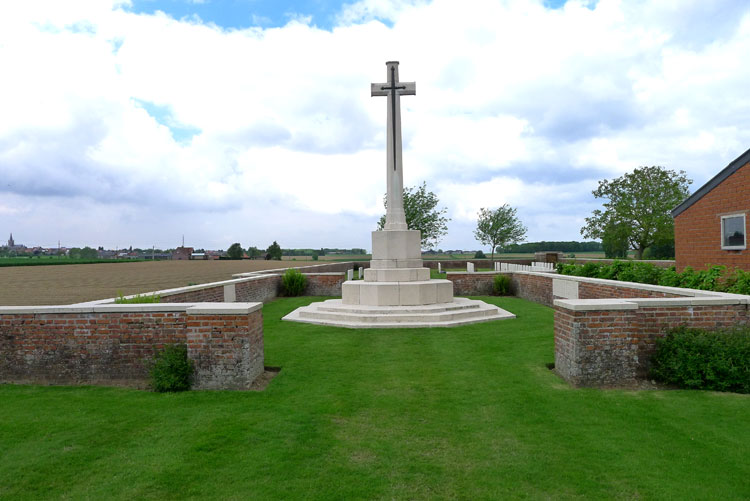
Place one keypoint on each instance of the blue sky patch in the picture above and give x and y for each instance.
(241, 14)
(163, 115)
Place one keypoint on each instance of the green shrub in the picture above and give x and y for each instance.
(137, 299)
(293, 282)
(706, 360)
(479, 255)
(739, 282)
(590, 270)
(501, 285)
(669, 277)
(172, 370)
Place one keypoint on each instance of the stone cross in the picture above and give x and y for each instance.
(395, 219)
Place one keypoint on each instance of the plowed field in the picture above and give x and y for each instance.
(75, 283)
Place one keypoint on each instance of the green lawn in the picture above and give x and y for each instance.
(469, 413)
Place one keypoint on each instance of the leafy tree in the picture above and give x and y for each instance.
(274, 251)
(254, 252)
(499, 227)
(420, 208)
(615, 241)
(639, 204)
(235, 251)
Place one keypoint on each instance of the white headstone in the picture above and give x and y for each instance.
(440, 268)
(361, 273)
(470, 267)
(350, 274)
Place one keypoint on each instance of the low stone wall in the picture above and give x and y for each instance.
(115, 344)
(611, 342)
(605, 330)
(472, 284)
(254, 288)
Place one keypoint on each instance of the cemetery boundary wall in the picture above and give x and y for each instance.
(115, 344)
(605, 331)
(100, 342)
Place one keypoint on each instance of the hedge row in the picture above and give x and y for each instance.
(715, 278)
(704, 360)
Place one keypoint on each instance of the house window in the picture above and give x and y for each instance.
(733, 232)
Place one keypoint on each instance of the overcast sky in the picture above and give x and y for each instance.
(135, 122)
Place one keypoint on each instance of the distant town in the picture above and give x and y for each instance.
(14, 249)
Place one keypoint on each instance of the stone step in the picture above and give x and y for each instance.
(463, 312)
(399, 318)
(334, 305)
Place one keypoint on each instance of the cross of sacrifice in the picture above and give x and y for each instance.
(393, 89)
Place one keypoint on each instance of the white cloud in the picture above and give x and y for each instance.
(515, 103)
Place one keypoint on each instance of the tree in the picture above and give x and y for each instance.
(615, 241)
(420, 208)
(639, 204)
(253, 252)
(499, 227)
(274, 251)
(235, 251)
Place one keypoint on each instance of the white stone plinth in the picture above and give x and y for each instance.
(397, 244)
(397, 274)
(397, 293)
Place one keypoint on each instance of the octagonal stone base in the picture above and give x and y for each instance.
(459, 311)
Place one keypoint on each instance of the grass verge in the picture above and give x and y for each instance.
(468, 412)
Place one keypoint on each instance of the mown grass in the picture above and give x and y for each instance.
(470, 413)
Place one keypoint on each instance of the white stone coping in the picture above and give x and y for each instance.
(680, 291)
(474, 273)
(175, 291)
(636, 303)
(279, 271)
(595, 304)
(190, 308)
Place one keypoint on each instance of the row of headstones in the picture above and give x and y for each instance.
(350, 273)
(535, 266)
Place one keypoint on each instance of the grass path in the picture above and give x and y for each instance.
(466, 413)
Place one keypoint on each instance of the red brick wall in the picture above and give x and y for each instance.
(698, 228)
(537, 287)
(590, 290)
(116, 348)
(471, 284)
(328, 284)
(207, 295)
(260, 289)
(614, 347)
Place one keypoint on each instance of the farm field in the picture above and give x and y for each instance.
(75, 283)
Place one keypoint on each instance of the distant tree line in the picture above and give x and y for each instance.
(552, 246)
(321, 252)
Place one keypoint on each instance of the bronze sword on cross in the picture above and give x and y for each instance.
(394, 91)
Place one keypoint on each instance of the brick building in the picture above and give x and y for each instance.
(711, 225)
(182, 253)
